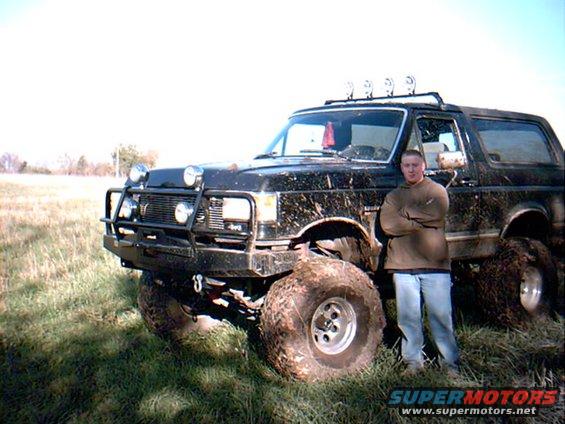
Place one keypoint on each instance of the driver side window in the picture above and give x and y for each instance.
(437, 135)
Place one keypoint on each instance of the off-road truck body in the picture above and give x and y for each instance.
(287, 235)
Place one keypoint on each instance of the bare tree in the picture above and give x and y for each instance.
(10, 163)
(67, 165)
(82, 166)
(150, 158)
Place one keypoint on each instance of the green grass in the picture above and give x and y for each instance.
(74, 347)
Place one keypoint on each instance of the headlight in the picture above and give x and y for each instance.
(235, 208)
(266, 207)
(128, 209)
(192, 176)
(183, 211)
(138, 173)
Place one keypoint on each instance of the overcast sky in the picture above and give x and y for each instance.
(200, 81)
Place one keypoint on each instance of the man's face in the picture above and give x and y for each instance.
(413, 169)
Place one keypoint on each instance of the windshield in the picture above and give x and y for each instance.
(354, 134)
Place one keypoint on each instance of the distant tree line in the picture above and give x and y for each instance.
(128, 155)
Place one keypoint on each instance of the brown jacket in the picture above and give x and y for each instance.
(414, 218)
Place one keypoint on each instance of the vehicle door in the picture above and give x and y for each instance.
(436, 132)
(521, 178)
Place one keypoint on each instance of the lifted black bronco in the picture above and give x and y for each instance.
(292, 236)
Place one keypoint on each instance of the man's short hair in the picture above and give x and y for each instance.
(412, 152)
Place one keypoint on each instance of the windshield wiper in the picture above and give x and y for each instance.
(266, 155)
(327, 152)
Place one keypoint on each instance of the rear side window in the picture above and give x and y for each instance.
(513, 141)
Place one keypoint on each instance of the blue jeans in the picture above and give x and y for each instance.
(436, 289)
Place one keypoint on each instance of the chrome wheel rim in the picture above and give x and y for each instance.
(531, 289)
(333, 325)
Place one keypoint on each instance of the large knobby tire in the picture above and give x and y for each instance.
(519, 283)
(322, 321)
(166, 316)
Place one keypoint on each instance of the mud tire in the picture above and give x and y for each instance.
(287, 329)
(166, 316)
(504, 277)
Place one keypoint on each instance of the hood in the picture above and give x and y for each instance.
(279, 174)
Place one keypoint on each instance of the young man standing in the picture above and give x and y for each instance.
(413, 215)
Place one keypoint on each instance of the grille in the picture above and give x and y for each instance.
(200, 216)
(160, 208)
(215, 218)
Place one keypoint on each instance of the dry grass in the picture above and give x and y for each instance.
(74, 348)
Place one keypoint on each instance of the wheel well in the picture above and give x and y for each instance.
(344, 240)
(530, 224)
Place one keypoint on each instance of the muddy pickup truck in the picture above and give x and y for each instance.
(291, 238)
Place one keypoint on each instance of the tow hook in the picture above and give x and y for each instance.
(197, 283)
(211, 287)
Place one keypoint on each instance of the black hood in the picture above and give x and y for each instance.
(278, 174)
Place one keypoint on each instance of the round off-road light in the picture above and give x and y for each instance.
(368, 86)
(349, 89)
(138, 173)
(192, 175)
(182, 212)
(410, 83)
(128, 209)
(389, 86)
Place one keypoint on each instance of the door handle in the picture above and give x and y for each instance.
(469, 182)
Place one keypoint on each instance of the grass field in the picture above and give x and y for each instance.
(74, 347)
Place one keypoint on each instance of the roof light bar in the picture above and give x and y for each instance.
(431, 97)
(428, 98)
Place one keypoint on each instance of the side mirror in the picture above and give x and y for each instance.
(451, 160)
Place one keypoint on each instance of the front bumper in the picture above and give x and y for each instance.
(212, 261)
